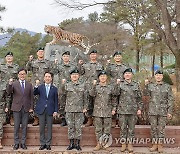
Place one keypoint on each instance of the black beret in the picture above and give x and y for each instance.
(117, 53)
(74, 71)
(93, 51)
(159, 72)
(9, 53)
(102, 73)
(40, 48)
(66, 53)
(128, 70)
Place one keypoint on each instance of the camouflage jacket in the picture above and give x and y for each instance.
(76, 96)
(161, 98)
(63, 71)
(38, 68)
(130, 98)
(105, 100)
(115, 71)
(7, 72)
(90, 70)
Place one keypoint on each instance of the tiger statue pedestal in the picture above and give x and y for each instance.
(53, 52)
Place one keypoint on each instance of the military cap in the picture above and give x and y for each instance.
(117, 53)
(128, 70)
(102, 73)
(66, 53)
(74, 71)
(40, 48)
(9, 53)
(93, 51)
(159, 72)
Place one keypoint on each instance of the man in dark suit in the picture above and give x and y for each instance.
(46, 108)
(22, 104)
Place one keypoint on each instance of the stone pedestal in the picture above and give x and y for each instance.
(53, 52)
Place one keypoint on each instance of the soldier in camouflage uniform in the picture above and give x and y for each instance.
(63, 72)
(38, 67)
(160, 108)
(115, 70)
(129, 106)
(90, 71)
(75, 93)
(7, 70)
(104, 108)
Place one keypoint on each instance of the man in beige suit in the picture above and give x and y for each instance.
(22, 104)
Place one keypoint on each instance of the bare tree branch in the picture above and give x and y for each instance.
(80, 6)
(167, 24)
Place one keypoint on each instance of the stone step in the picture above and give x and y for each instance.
(142, 135)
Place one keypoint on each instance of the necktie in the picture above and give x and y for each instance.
(22, 86)
(47, 90)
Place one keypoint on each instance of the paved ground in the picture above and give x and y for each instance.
(86, 150)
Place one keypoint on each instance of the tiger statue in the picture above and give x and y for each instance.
(73, 38)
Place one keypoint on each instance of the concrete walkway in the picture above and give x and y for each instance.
(85, 150)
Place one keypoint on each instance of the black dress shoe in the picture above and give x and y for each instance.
(42, 147)
(16, 146)
(23, 146)
(48, 147)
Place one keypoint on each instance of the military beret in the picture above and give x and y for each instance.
(9, 53)
(117, 53)
(159, 72)
(74, 71)
(102, 73)
(128, 70)
(40, 48)
(93, 51)
(66, 53)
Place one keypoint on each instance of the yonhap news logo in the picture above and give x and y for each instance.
(144, 140)
(106, 140)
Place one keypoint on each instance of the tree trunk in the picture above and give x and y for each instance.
(137, 60)
(161, 59)
(153, 62)
(178, 72)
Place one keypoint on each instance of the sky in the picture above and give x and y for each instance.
(34, 14)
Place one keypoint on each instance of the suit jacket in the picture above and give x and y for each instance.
(51, 101)
(21, 99)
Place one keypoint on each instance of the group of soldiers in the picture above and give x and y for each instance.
(106, 95)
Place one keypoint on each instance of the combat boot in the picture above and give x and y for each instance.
(160, 148)
(153, 148)
(11, 121)
(89, 122)
(1, 147)
(63, 122)
(98, 147)
(123, 147)
(71, 145)
(113, 123)
(36, 121)
(130, 147)
(77, 146)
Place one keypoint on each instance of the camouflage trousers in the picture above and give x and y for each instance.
(2, 114)
(5, 101)
(74, 122)
(158, 124)
(102, 126)
(127, 126)
(62, 103)
(2, 120)
(89, 113)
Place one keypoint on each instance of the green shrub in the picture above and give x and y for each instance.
(167, 78)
